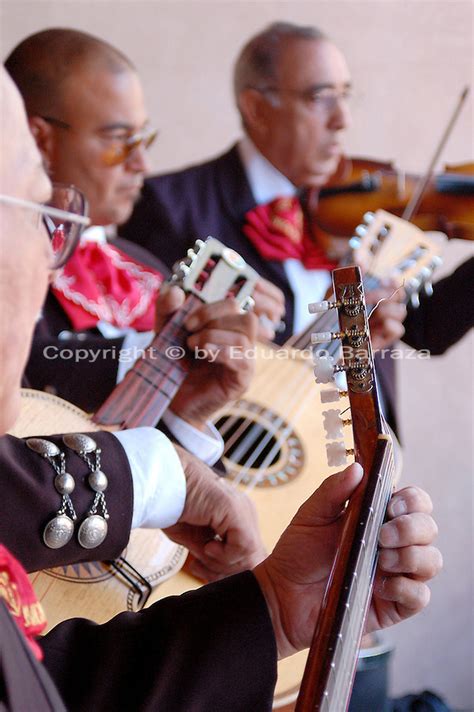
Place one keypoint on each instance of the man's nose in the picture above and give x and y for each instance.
(340, 117)
(138, 160)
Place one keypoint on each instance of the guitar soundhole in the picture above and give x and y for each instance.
(261, 448)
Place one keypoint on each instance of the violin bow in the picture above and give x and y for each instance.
(412, 205)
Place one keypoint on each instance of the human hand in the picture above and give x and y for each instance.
(269, 307)
(294, 577)
(214, 507)
(386, 321)
(226, 338)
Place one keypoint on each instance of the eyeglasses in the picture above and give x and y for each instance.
(324, 99)
(64, 216)
(120, 148)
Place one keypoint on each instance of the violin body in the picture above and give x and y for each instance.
(362, 185)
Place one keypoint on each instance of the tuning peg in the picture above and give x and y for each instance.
(324, 336)
(413, 284)
(331, 395)
(191, 254)
(324, 368)
(368, 217)
(354, 242)
(183, 269)
(199, 245)
(337, 453)
(321, 307)
(436, 261)
(333, 423)
(428, 288)
(415, 300)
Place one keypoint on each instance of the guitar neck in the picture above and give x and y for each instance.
(149, 387)
(329, 675)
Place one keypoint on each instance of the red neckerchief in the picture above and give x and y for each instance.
(279, 232)
(102, 283)
(19, 596)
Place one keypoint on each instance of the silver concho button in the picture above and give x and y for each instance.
(79, 442)
(64, 483)
(98, 481)
(43, 447)
(58, 531)
(92, 531)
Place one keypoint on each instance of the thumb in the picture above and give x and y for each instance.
(327, 503)
(168, 301)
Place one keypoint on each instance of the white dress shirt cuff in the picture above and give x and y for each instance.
(159, 483)
(207, 446)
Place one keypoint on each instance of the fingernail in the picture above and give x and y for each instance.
(388, 535)
(389, 559)
(397, 507)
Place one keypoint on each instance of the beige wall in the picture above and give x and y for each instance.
(409, 61)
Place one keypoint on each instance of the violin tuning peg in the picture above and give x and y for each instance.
(368, 217)
(354, 242)
(332, 424)
(322, 337)
(337, 454)
(331, 395)
(320, 307)
(324, 369)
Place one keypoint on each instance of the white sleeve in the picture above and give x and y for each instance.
(207, 446)
(159, 483)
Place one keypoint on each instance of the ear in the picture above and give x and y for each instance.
(255, 110)
(43, 134)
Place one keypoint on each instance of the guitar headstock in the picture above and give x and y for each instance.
(213, 271)
(388, 247)
(357, 364)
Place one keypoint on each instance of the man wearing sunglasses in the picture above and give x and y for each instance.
(212, 649)
(87, 113)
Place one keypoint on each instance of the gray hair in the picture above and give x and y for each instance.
(256, 64)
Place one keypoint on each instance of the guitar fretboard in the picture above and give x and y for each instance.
(150, 386)
(357, 590)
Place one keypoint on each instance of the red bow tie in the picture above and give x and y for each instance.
(102, 283)
(280, 232)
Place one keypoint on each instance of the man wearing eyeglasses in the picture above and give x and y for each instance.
(212, 649)
(292, 88)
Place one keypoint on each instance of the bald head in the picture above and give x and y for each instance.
(44, 63)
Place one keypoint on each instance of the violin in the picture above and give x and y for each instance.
(361, 185)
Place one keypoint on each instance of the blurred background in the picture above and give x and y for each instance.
(409, 62)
